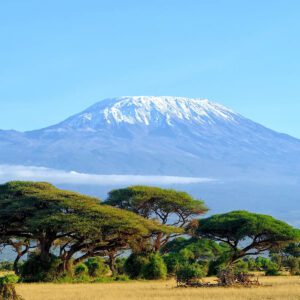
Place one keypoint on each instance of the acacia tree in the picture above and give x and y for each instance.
(168, 206)
(247, 233)
(77, 225)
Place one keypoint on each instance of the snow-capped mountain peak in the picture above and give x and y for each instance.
(149, 111)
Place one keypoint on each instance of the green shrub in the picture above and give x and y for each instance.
(241, 266)
(120, 265)
(155, 268)
(270, 268)
(215, 266)
(37, 270)
(96, 267)
(81, 269)
(272, 271)
(172, 262)
(11, 278)
(189, 274)
(135, 264)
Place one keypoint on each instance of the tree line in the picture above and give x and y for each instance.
(137, 232)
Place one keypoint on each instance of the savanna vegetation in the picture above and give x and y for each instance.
(138, 232)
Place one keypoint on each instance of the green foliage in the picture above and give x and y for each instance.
(96, 267)
(120, 265)
(10, 278)
(262, 232)
(135, 264)
(50, 217)
(81, 269)
(190, 273)
(272, 271)
(241, 266)
(292, 249)
(155, 268)
(204, 252)
(158, 203)
(35, 269)
(173, 261)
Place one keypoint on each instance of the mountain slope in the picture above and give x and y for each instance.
(156, 135)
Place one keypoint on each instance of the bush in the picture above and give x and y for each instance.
(241, 266)
(172, 262)
(37, 270)
(272, 271)
(11, 278)
(156, 268)
(189, 274)
(215, 266)
(96, 267)
(135, 264)
(81, 269)
(120, 265)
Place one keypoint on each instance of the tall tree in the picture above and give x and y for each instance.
(247, 233)
(168, 206)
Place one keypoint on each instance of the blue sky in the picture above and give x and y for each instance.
(58, 57)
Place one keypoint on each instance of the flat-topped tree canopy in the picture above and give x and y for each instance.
(40, 211)
(247, 233)
(166, 205)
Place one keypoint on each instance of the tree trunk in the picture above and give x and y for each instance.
(112, 263)
(44, 247)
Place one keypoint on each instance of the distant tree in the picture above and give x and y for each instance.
(203, 252)
(287, 257)
(168, 206)
(77, 226)
(247, 233)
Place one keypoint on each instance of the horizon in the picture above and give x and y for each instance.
(59, 58)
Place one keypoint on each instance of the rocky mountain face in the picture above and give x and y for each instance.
(157, 136)
(254, 167)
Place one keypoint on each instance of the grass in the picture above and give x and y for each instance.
(277, 288)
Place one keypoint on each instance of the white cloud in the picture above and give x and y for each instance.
(18, 172)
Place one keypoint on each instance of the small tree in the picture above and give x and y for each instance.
(247, 233)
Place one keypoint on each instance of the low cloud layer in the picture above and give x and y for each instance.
(14, 172)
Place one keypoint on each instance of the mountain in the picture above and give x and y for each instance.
(253, 167)
(157, 136)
